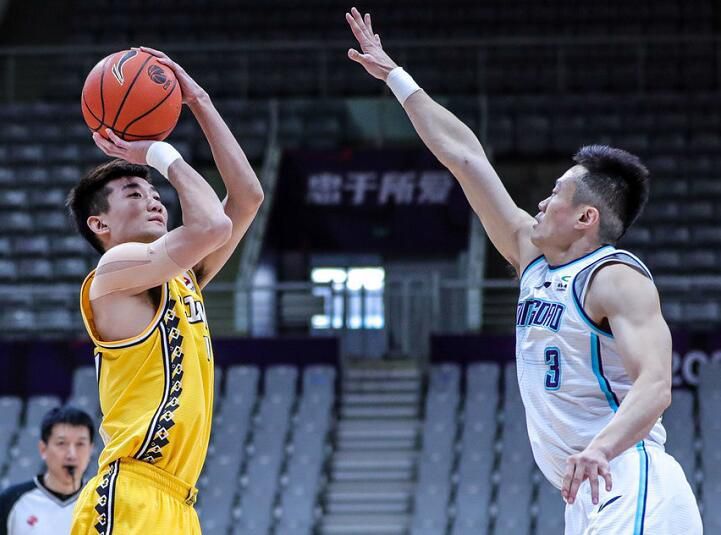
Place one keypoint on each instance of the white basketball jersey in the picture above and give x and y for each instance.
(570, 373)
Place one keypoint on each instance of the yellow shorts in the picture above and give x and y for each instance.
(131, 497)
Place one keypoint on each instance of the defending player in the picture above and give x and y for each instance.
(593, 351)
(144, 310)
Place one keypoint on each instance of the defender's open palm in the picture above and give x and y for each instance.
(373, 58)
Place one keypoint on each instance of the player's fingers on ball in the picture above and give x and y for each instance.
(115, 139)
(101, 142)
(153, 52)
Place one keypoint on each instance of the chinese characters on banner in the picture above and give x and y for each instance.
(388, 187)
(393, 201)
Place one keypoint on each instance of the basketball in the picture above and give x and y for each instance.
(133, 94)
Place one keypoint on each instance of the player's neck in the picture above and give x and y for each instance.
(61, 486)
(558, 256)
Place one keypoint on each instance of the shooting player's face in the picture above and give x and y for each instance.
(68, 445)
(135, 214)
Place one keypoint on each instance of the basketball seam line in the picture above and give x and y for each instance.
(102, 97)
(151, 110)
(130, 87)
(144, 136)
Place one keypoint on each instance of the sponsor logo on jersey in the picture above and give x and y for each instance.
(562, 285)
(117, 69)
(189, 283)
(540, 313)
(32, 520)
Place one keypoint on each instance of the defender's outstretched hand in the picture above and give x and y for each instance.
(189, 88)
(374, 59)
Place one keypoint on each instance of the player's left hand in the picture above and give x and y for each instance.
(189, 88)
(590, 464)
(131, 151)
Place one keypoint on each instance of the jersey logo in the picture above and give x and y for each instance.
(540, 313)
(562, 285)
(117, 69)
(609, 502)
(32, 520)
(189, 283)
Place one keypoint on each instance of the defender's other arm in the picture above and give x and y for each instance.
(631, 304)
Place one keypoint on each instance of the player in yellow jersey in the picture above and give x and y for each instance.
(144, 310)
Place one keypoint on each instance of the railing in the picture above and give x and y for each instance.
(565, 57)
(398, 319)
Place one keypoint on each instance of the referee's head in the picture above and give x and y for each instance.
(66, 443)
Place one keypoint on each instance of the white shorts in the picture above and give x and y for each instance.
(650, 496)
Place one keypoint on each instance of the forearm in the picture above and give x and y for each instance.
(242, 184)
(642, 407)
(443, 133)
(200, 206)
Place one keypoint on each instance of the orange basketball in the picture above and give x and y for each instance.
(132, 94)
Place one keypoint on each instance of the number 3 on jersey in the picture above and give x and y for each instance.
(552, 357)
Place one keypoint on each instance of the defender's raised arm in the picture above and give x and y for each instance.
(455, 146)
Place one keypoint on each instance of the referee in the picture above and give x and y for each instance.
(44, 506)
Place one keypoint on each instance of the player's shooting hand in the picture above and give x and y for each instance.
(188, 87)
(590, 464)
(130, 151)
(373, 58)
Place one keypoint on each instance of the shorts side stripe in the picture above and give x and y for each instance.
(642, 489)
(105, 507)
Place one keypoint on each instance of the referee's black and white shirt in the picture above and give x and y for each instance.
(33, 509)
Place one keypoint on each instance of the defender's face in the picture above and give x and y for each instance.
(557, 213)
(136, 213)
(68, 445)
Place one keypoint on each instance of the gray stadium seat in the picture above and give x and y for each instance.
(679, 423)
(514, 491)
(551, 508)
(36, 409)
(709, 392)
(10, 409)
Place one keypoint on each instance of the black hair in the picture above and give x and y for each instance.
(616, 182)
(66, 415)
(90, 195)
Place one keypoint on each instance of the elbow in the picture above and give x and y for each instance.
(667, 398)
(663, 391)
(256, 197)
(218, 231)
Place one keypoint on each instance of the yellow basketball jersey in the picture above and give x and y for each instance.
(156, 389)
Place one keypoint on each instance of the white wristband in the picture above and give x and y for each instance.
(402, 84)
(160, 155)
